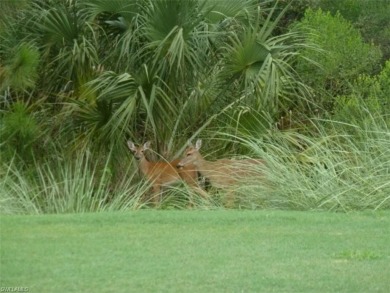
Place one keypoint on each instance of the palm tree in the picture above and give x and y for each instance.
(163, 69)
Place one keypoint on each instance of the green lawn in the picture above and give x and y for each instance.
(197, 251)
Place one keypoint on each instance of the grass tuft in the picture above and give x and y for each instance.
(75, 186)
(330, 166)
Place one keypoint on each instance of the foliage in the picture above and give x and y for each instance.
(345, 55)
(371, 18)
(21, 71)
(328, 165)
(156, 69)
(60, 186)
(370, 97)
(344, 166)
(295, 11)
(20, 131)
(77, 78)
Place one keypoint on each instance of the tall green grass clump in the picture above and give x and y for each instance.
(67, 186)
(331, 165)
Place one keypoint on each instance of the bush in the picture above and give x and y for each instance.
(370, 17)
(370, 95)
(345, 55)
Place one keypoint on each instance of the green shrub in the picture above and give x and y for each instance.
(370, 17)
(345, 55)
(349, 9)
(371, 95)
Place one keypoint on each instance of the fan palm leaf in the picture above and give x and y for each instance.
(21, 71)
(221, 10)
(260, 62)
(111, 10)
(57, 25)
(172, 29)
(163, 69)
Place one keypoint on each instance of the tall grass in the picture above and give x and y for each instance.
(84, 185)
(327, 165)
(341, 167)
(79, 185)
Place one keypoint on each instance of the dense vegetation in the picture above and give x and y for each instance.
(305, 85)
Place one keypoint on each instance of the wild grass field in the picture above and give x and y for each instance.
(197, 251)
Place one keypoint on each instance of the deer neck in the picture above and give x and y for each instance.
(144, 165)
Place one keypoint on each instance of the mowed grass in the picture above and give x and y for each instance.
(197, 251)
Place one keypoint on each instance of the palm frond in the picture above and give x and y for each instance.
(111, 10)
(21, 71)
(58, 26)
(220, 10)
(172, 29)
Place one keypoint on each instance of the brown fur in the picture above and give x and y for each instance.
(161, 174)
(222, 173)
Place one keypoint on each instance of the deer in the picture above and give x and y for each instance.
(222, 173)
(163, 173)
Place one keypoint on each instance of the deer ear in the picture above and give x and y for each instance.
(147, 145)
(198, 144)
(131, 145)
